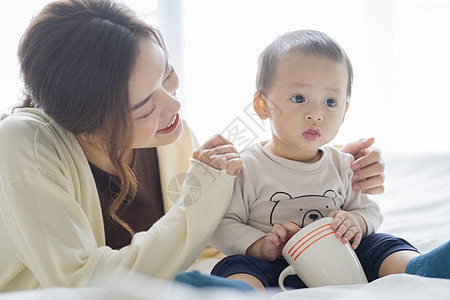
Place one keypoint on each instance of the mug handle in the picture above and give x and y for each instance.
(289, 270)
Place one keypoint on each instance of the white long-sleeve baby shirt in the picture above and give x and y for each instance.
(272, 190)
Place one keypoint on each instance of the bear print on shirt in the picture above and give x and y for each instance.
(302, 210)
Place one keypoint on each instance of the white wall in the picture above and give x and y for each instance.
(399, 50)
(13, 22)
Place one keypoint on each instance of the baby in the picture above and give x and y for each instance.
(304, 84)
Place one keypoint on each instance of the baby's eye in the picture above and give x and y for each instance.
(298, 99)
(330, 102)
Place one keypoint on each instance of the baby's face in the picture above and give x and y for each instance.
(309, 99)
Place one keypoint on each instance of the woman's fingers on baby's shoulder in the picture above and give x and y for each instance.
(220, 154)
(220, 159)
(370, 156)
(233, 166)
(373, 185)
(215, 145)
(357, 148)
(215, 141)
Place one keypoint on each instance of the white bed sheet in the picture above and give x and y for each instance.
(416, 203)
(416, 206)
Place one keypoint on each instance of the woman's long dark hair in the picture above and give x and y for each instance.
(76, 60)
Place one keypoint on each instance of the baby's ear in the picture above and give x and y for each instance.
(345, 112)
(260, 107)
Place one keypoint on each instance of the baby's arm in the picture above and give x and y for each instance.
(349, 226)
(358, 215)
(270, 246)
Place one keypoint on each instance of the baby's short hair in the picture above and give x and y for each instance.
(307, 41)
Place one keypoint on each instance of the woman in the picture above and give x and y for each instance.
(81, 181)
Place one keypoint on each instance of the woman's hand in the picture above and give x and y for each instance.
(349, 226)
(368, 166)
(219, 153)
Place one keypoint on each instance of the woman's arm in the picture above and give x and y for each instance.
(53, 224)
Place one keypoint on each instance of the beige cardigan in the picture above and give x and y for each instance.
(51, 226)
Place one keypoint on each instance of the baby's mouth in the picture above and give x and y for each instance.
(312, 134)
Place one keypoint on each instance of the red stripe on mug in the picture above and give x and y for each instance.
(318, 228)
(299, 247)
(313, 243)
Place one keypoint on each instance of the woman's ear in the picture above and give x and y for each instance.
(88, 139)
(260, 107)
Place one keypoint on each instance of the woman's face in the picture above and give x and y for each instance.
(154, 106)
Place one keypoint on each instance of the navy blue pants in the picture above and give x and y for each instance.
(371, 252)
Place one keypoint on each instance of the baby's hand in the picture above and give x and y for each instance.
(272, 244)
(347, 227)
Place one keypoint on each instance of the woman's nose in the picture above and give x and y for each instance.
(171, 104)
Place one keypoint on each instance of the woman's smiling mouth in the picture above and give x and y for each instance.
(172, 126)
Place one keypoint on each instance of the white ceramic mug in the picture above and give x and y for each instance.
(319, 258)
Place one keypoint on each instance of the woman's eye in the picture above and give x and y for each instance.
(171, 82)
(172, 70)
(148, 115)
(330, 102)
(298, 99)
